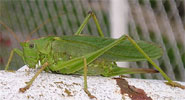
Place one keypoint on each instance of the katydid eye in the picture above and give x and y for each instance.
(31, 46)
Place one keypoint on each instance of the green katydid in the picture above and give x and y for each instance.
(70, 54)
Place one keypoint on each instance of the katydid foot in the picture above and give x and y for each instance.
(89, 94)
(22, 90)
(175, 84)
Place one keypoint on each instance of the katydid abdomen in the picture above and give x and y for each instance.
(125, 51)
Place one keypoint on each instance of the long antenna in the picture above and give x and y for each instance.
(11, 31)
(41, 25)
(31, 33)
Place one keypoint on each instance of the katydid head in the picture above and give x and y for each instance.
(34, 48)
(30, 52)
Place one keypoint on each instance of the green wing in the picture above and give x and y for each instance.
(76, 46)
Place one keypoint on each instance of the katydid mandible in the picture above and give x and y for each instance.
(70, 54)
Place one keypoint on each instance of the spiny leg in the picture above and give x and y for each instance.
(90, 14)
(9, 60)
(11, 55)
(33, 78)
(85, 74)
(170, 82)
(85, 80)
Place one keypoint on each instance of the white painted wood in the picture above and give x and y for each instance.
(55, 86)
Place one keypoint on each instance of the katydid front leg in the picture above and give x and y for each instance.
(33, 78)
(20, 53)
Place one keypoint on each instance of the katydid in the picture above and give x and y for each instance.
(97, 55)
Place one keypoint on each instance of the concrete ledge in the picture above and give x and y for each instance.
(70, 87)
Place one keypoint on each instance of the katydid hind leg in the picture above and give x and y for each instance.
(90, 14)
(170, 82)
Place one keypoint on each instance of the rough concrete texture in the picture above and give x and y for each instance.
(70, 87)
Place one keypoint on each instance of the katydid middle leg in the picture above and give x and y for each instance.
(85, 79)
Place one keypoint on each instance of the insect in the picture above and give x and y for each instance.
(88, 55)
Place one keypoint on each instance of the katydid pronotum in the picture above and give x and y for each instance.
(88, 55)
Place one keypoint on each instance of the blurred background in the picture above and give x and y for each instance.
(159, 21)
